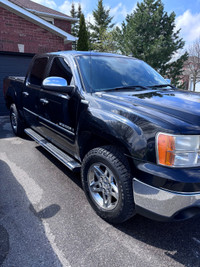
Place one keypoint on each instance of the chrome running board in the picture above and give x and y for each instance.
(71, 163)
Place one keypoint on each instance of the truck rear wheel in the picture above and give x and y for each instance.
(107, 182)
(16, 123)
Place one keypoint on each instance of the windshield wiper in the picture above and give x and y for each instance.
(161, 86)
(128, 87)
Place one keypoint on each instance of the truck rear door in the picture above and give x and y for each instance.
(30, 94)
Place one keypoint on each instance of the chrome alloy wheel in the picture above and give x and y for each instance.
(14, 121)
(103, 186)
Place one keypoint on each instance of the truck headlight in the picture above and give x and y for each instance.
(178, 150)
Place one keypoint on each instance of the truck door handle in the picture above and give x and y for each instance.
(44, 101)
(25, 94)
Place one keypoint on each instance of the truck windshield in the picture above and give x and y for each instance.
(101, 73)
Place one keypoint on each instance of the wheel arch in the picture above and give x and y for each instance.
(89, 141)
(9, 101)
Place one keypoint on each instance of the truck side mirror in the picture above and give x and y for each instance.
(57, 84)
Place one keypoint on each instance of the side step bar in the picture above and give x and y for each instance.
(59, 154)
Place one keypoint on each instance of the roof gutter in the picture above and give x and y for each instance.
(37, 20)
(72, 20)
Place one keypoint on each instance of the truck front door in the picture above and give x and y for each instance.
(58, 111)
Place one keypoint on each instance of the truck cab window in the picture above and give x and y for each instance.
(60, 68)
(38, 70)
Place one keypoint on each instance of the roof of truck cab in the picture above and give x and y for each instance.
(87, 53)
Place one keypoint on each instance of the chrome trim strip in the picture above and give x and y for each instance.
(55, 131)
(160, 201)
(31, 112)
(56, 125)
(64, 96)
(53, 124)
(83, 101)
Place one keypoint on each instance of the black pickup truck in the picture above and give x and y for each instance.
(135, 138)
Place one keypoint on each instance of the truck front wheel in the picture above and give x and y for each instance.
(16, 123)
(107, 182)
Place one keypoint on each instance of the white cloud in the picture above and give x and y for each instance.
(120, 11)
(90, 18)
(66, 7)
(48, 3)
(190, 26)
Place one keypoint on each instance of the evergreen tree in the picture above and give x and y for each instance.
(72, 11)
(75, 26)
(82, 44)
(102, 22)
(79, 11)
(73, 15)
(149, 34)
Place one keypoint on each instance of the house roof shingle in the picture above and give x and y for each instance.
(32, 6)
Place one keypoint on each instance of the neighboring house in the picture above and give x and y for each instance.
(189, 66)
(27, 28)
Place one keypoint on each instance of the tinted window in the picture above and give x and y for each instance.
(60, 68)
(105, 72)
(38, 71)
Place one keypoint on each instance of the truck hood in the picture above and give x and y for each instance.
(180, 104)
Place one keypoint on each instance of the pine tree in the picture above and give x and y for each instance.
(79, 11)
(82, 44)
(102, 23)
(75, 26)
(149, 34)
(72, 11)
(73, 15)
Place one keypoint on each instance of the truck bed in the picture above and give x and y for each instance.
(13, 86)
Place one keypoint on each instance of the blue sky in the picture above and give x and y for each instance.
(187, 12)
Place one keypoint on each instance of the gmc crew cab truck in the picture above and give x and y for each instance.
(135, 138)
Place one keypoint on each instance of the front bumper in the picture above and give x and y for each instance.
(165, 205)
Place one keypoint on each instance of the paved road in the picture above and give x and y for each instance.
(45, 219)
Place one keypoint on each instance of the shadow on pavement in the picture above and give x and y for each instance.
(23, 241)
(74, 176)
(4, 244)
(181, 240)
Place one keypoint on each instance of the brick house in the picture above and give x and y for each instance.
(32, 28)
(27, 28)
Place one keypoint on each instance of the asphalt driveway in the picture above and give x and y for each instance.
(45, 219)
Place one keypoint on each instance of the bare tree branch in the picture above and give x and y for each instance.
(193, 62)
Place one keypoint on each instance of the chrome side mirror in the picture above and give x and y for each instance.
(56, 84)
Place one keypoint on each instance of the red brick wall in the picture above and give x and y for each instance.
(63, 24)
(68, 46)
(15, 30)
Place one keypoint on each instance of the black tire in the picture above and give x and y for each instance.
(16, 123)
(113, 163)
